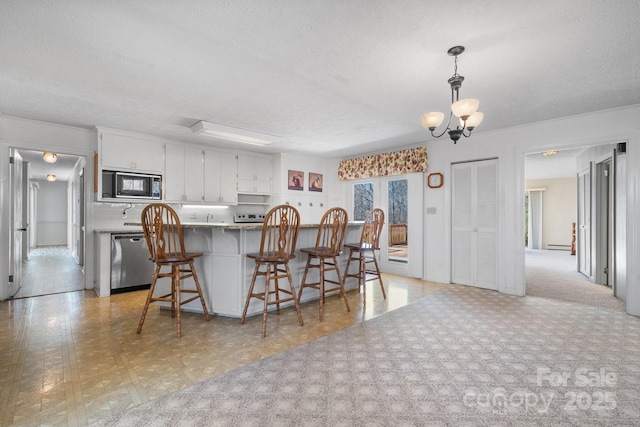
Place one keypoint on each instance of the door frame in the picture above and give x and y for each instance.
(415, 189)
(415, 193)
(85, 150)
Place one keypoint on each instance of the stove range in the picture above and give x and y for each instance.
(248, 218)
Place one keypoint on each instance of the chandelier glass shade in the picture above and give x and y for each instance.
(466, 110)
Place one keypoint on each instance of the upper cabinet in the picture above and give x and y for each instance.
(200, 176)
(184, 174)
(220, 182)
(254, 174)
(122, 151)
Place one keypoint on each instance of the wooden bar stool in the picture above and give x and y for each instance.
(277, 246)
(364, 252)
(163, 233)
(331, 233)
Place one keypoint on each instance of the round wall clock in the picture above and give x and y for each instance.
(434, 180)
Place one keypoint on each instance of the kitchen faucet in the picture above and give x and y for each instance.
(124, 211)
(209, 215)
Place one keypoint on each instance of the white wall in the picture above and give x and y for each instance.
(52, 213)
(559, 201)
(34, 135)
(311, 204)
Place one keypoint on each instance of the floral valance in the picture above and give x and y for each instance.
(386, 164)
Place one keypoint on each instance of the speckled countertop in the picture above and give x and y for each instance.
(225, 225)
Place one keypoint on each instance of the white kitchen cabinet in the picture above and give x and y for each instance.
(220, 177)
(254, 174)
(184, 174)
(120, 151)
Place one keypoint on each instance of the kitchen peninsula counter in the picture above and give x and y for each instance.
(224, 270)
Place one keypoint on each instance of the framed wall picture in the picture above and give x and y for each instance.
(296, 180)
(315, 181)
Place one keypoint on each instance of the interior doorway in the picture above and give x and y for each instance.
(50, 256)
(578, 188)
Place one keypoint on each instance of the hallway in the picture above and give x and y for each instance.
(553, 275)
(50, 270)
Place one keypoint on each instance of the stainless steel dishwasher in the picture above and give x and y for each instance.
(131, 268)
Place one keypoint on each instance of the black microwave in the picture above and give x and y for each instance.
(129, 185)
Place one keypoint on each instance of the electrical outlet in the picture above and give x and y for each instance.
(193, 216)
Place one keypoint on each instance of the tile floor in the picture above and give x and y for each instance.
(73, 358)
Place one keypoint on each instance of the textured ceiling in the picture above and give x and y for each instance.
(332, 77)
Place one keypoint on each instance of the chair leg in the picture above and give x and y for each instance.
(346, 270)
(246, 303)
(149, 295)
(173, 295)
(304, 276)
(321, 287)
(176, 285)
(379, 277)
(276, 286)
(362, 277)
(266, 301)
(199, 289)
(293, 294)
(343, 293)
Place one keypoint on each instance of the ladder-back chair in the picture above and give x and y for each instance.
(163, 233)
(331, 232)
(364, 252)
(277, 247)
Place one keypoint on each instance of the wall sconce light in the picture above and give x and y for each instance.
(51, 177)
(49, 157)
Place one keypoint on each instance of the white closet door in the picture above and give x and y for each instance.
(475, 223)
(462, 226)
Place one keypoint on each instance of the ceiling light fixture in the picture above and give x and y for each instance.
(51, 177)
(49, 157)
(464, 109)
(549, 153)
(229, 133)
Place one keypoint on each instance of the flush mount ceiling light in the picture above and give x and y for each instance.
(549, 153)
(464, 109)
(49, 157)
(51, 177)
(229, 133)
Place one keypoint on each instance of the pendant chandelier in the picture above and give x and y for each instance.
(466, 110)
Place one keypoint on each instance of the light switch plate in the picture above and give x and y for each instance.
(431, 211)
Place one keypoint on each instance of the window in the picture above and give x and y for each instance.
(362, 200)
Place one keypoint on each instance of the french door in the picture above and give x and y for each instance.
(400, 197)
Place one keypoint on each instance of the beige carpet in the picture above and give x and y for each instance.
(554, 275)
(461, 356)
